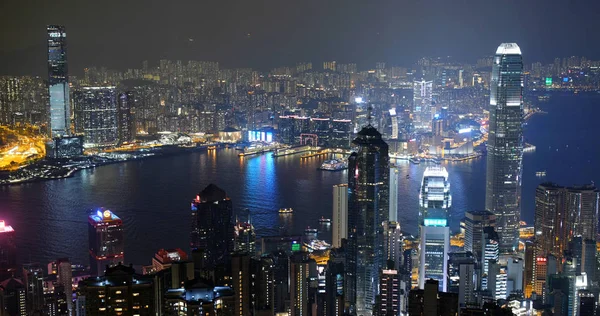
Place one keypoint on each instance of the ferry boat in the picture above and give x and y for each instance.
(540, 174)
(212, 147)
(286, 210)
(333, 165)
(416, 161)
(324, 220)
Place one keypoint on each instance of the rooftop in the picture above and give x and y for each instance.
(103, 215)
(5, 228)
(508, 49)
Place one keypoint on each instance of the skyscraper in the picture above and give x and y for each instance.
(475, 222)
(244, 238)
(107, 245)
(8, 251)
(505, 144)
(126, 126)
(434, 198)
(96, 115)
(212, 227)
(58, 81)
(368, 208)
(422, 97)
(389, 297)
(393, 209)
(433, 251)
(340, 214)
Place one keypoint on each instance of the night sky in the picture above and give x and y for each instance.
(269, 33)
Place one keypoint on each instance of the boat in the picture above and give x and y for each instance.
(540, 174)
(286, 210)
(416, 161)
(212, 147)
(324, 220)
(333, 165)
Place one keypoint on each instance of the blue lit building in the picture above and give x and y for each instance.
(96, 116)
(58, 81)
(107, 245)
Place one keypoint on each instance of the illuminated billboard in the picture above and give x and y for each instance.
(548, 81)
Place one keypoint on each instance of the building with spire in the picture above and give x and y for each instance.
(368, 208)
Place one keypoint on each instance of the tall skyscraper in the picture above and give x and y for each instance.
(434, 198)
(212, 227)
(422, 98)
(65, 277)
(125, 123)
(96, 115)
(340, 214)
(302, 269)
(475, 222)
(107, 245)
(389, 297)
(505, 144)
(8, 251)
(433, 251)
(58, 81)
(394, 178)
(393, 244)
(368, 208)
(244, 238)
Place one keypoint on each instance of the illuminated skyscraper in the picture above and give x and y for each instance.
(368, 208)
(340, 214)
(393, 209)
(505, 144)
(422, 97)
(8, 251)
(106, 240)
(475, 222)
(58, 81)
(212, 227)
(96, 115)
(126, 126)
(434, 197)
(244, 238)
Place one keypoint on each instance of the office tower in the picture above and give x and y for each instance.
(585, 253)
(540, 271)
(496, 280)
(467, 281)
(583, 202)
(341, 131)
(119, 292)
(335, 288)
(96, 115)
(422, 99)
(429, 301)
(125, 123)
(281, 263)
(586, 303)
(58, 81)
(393, 244)
(244, 238)
(489, 252)
(302, 269)
(164, 258)
(106, 240)
(265, 285)
(389, 293)
(212, 229)
(528, 271)
(368, 203)
(242, 280)
(13, 295)
(505, 144)
(514, 275)
(339, 219)
(475, 222)
(551, 220)
(8, 251)
(435, 198)
(433, 251)
(65, 278)
(33, 279)
(394, 178)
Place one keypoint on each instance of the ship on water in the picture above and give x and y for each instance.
(333, 165)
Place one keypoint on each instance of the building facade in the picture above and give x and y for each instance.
(106, 240)
(505, 144)
(96, 115)
(58, 82)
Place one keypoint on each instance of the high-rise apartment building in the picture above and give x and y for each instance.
(389, 292)
(106, 240)
(58, 81)
(96, 116)
(339, 219)
(212, 227)
(368, 208)
(505, 144)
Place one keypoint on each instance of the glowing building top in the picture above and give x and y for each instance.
(103, 215)
(508, 49)
(435, 189)
(5, 228)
